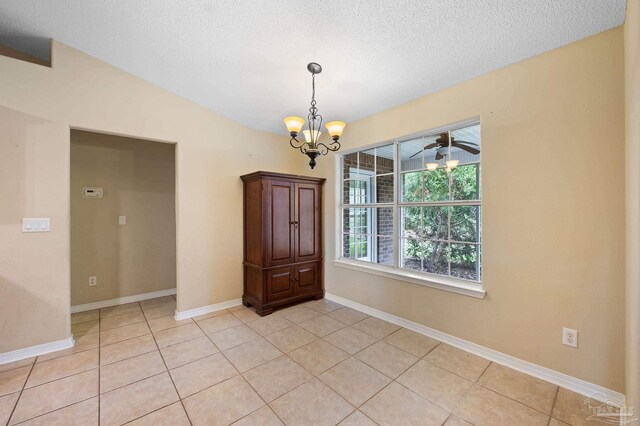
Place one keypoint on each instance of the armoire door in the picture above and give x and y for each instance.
(307, 277)
(280, 222)
(307, 222)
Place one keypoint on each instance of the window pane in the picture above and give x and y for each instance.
(384, 159)
(363, 247)
(357, 191)
(348, 245)
(384, 220)
(385, 250)
(436, 257)
(464, 223)
(411, 254)
(412, 222)
(464, 182)
(411, 155)
(366, 161)
(465, 261)
(384, 188)
(435, 223)
(436, 185)
(349, 165)
(412, 187)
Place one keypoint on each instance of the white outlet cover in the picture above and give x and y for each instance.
(122, 220)
(93, 281)
(570, 337)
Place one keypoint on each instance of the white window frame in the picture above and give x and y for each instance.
(448, 283)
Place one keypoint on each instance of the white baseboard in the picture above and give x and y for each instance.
(568, 382)
(36, 350)
(207, 309)
(122, 300)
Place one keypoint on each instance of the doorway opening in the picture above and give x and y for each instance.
(123, 228)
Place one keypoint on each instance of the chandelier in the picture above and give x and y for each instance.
(311, 147)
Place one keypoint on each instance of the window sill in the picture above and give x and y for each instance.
(441, 283)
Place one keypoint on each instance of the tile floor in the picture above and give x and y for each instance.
(312, 364)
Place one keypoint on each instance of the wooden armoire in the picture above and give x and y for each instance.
(282, 240)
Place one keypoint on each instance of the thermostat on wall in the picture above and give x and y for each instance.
(92, 192)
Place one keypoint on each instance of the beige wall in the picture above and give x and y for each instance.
(632, 80)
(34, 268)
(553, 210)
(211, 152)
(138, 180)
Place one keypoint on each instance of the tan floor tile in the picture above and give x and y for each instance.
(172, 415)
(62, 367)
(387, 359)
(120, 320)
(291, 338)
(436, 384)
(246, 314)
(13, 380)
(263, 417)
(123, 333)
(276, 377)
(120, 310)
(347, 315)
(327, 408)
(54, 395)
(350, 340)
(456, 421)
(223, 403)
(83, 328)
(318, 356)
(412, 342)
(83, 343)
(458, 361)
(179, 334)
(85, 316)
(556, 422)
(234, 336)
(570, 407)
(298, 313)
(130, 370)
(163, 323)
(137, 399)
(158, 301)
(198, 375)
(127, 349)
(186, 352)
(397, 402)
(270, 324)
(7, 403)
(357, 419)
(16, 364)
(211, 314)
(354, 381)
(252, 354)
(322, 325)
(236, 307)
(484, 407)
(83, 413)
(323, 306)
(159, 311)
(376, 327)
(529, 390)
(219, 322)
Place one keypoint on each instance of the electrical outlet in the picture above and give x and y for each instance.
(122, 220)
(570, 337)
(93, 281)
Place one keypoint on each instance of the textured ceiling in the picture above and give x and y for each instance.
(246, 59)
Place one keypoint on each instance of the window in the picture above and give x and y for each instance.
(403, 208)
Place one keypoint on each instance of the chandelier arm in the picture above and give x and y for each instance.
(297, 141)
(333, 146)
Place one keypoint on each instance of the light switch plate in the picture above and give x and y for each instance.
(36, 224)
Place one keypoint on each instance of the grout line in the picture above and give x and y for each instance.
(553, 405)
(22, 390)
(57, 409)
(168, 372)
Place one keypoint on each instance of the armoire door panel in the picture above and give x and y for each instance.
(308, 246)
(279, 283)
(307, 277)
(281, 223)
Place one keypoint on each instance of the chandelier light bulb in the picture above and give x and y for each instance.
(307, 135)
(451, 164)
(294, 124)
(335, 129)
(432, 166)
